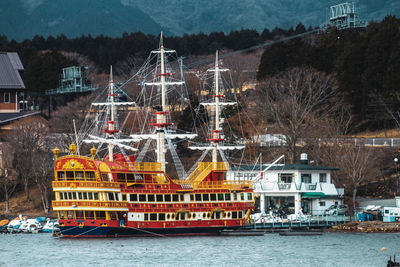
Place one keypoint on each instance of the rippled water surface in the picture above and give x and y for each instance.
(330, 249)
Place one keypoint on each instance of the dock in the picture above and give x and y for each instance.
(312, 222)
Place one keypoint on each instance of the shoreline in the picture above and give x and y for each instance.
(366, 227)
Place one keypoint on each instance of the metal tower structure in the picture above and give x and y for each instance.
(344, 16)
(72, 80)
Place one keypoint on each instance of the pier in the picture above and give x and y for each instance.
(312, 222)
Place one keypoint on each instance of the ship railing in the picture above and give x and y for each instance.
(80, 204)
(57, 184)
(204, 168)
(231, 185)
(142, 166)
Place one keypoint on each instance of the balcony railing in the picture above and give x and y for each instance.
(57, 184)
(284, 186)
(309, 186)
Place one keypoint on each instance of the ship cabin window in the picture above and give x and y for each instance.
(90, 196)
(121, 177)
(241, 196)
(79, 215)
(96, 196)
(175, 198)
(61, 196)
(73, 195)
(220, 196)
(181, 197)
(70, 214)
(69, 175)
(61, 176)
(90, 176)
(180, 216)
(249, 196)
(100, 215)
(79, 175)
(111, 197)
(146, 216)
(80, 195)
(240, 214)
(167, 198)
(234, 196)
(132, 197)
(159, 198)
(213, 197)
(150, 198)
(205, 197)
(113, 215)
(227, 196)
(191, 197)
(234, 214)
(217, 215)
(104, 177)
(142, 198)
(89, 215)
(138, 177)
(161, 216)
(123, 197)
(85, 195)
(153, 216)
(129, 178)
(198, 197)
(69, 195)
(61, 214)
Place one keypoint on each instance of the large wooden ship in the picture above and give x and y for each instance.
(120, 196)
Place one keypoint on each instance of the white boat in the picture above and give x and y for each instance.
(50, 225)
(30, 226)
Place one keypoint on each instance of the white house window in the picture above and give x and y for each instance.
(322, 177)
(6, 97)
(306, 178)
(322, 203)
(286, 177)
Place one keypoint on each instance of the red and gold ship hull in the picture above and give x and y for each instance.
(99, 198)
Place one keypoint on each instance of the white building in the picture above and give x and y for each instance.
(289, 187)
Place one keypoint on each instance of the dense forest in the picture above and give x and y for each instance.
(365, 61)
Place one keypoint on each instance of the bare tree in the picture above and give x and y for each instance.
(26, 138)
(8, 180)
(291, 99)
(358, 165)
(42, 176)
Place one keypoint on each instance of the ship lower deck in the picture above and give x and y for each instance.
(100, 231)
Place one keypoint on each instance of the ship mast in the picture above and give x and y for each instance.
(111, 122)
(161, 116)
(216, 130)
(216, 138)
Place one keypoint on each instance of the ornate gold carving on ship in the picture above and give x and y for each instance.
(73, 164)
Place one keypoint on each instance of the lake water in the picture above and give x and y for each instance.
(330, 249)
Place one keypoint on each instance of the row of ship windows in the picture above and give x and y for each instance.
(155, 198)
(193, 197)
(90, 176)
(113, 215)
(75, 175)
(186, 216)
(79, 196)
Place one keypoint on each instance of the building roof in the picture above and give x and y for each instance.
(283, 167)
(9, 117)
(10, 65)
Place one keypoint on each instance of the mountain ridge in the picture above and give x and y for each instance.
(27, 18)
